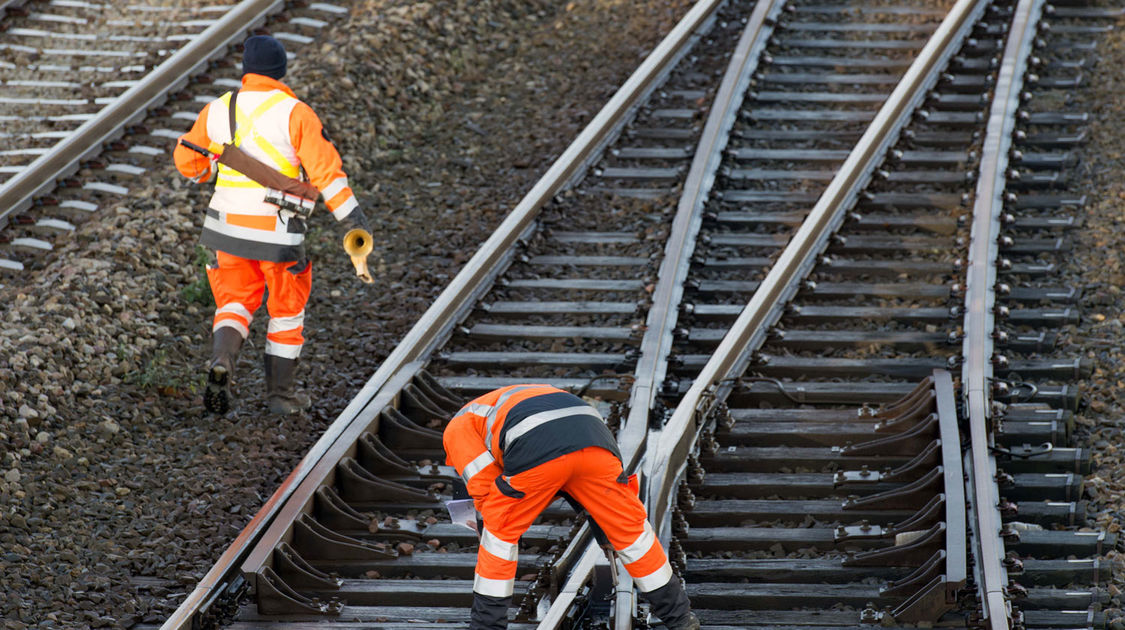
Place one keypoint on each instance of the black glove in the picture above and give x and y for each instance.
(355, 219)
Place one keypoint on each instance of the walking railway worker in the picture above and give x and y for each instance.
(519, 446)
(257, 231)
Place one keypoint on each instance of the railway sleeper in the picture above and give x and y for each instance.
(381, 617)
(1033, 572)
(517, 331)
(1051, 140)
(510, 308)
(577, 284)
(810, 136)
(630, 173)
(718, 513)
(1062, 10)
(1025, 180)
(555, 262)
(618, 361)
(407, 592)
(870, 617)
(556, 512)
(72, 209)
(661, 133)
(634, 193)
(1022, 487)
(1016, 411)
(1042, 544)
(25, 245)
(904, 340)
(796, 458)
(859, 393)
(45, 226)
(860, 27)
(10, 266)
(770, 177)
(869, 244)
(605, 388)
(941, 224)
(379, 546)
(782, 596)
(600, 238)
(652, 153)
(1043, 160)
(808, 314)
(806, 433)
(832, 290)
(724, 264)
(843, 47)
(780, 366)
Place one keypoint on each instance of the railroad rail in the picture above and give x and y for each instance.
(79, 107)
(782, 377)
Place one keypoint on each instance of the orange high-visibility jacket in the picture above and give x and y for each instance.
(275, 127)
(515, 428)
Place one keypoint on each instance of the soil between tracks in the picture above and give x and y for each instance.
(116, 491)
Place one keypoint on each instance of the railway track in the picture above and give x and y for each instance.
(93, 98)
(806, 454)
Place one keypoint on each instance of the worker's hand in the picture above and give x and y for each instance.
(355, 219)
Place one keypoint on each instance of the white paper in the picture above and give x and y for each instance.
(462, 512)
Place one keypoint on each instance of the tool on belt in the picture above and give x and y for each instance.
(291, 195)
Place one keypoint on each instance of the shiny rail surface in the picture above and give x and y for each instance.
(980, 303)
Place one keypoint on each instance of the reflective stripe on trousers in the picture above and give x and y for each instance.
(238, 285)
(590, 477)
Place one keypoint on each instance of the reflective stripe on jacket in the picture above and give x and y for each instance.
(515, 428)
(278, 129)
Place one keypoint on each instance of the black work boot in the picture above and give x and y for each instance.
(489, 613)
(225, 343)
(283, 398)
(670, 603)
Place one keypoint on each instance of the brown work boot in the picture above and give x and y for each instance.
(224, 353)
(283, 398)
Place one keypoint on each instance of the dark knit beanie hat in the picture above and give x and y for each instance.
(263, 54)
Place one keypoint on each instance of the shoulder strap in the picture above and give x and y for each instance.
(233, 123)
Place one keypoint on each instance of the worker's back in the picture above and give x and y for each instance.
(546, 425)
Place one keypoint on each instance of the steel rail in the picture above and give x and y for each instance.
(250, 551)
(65, 158)
(656, 344)
(681, 433)
(979, 323)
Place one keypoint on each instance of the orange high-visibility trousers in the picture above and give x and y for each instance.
(238, 285)
(590, 476)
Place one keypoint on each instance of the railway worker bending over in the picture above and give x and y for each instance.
(257, 230)
(519, 446)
